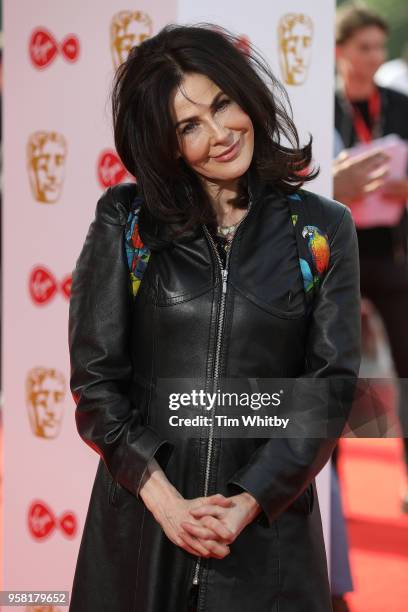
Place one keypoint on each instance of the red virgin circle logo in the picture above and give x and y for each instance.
(110, 170)
(242, 43)
(43, 48)
(42, 521)
(43, 285)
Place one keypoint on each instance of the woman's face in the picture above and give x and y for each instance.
(208, 126)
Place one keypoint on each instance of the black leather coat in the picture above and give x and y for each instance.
(120, 347)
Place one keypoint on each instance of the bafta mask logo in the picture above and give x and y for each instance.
(43, 48)
(128, 29)
(42, 521)
(43, 285)
(295, 36)
(46, 154)
(110, 170)
(45, 394)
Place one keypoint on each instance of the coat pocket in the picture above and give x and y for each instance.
(305, 502)
(113, 492)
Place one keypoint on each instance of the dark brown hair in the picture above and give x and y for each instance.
(353, 17)
(146, 139)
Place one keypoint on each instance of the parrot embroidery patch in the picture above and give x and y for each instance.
(318, 245)
(137, 253)
(318, 249)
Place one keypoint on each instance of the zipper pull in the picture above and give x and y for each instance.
(224, 280)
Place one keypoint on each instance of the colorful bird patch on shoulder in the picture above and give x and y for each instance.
(136, 252)
(308, 280)
(318, 245)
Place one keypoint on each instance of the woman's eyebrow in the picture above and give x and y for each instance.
(220, 93)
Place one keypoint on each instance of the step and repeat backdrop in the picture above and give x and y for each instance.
(59, 157)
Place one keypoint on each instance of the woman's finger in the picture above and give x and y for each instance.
(217, 549)
(207, 509)
(207, 532)
(217, 499)
(210, 548)
(220, 499)
(220, 528)
(194, 544)
(199, 532)
(206, 548)
(182, 544)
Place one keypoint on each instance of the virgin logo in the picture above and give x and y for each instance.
(43, 48)
(42, 521)
(43, 285)
(242, 44)
(110, 169)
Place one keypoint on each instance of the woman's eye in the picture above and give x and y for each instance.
(188, 128)
(223, 103)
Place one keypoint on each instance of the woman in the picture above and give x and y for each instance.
(206, 523)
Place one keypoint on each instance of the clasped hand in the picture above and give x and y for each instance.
(203, 526)
(206, 526)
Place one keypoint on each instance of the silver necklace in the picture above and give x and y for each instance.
(226, 230)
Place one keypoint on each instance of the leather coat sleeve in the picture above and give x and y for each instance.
(282, 468)
(99, 337)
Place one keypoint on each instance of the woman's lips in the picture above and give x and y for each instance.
(230, 153)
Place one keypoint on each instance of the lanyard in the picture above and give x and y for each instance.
(361, 129)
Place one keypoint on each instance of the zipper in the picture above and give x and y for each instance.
(220, 329)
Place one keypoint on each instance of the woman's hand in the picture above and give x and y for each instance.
(176, 512)
(235, 517)
(170, 509)
(203, 526)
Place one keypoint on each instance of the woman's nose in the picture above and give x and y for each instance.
(220, 134)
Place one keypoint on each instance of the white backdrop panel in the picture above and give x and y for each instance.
(71, 99)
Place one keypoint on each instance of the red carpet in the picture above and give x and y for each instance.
(372, 480)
